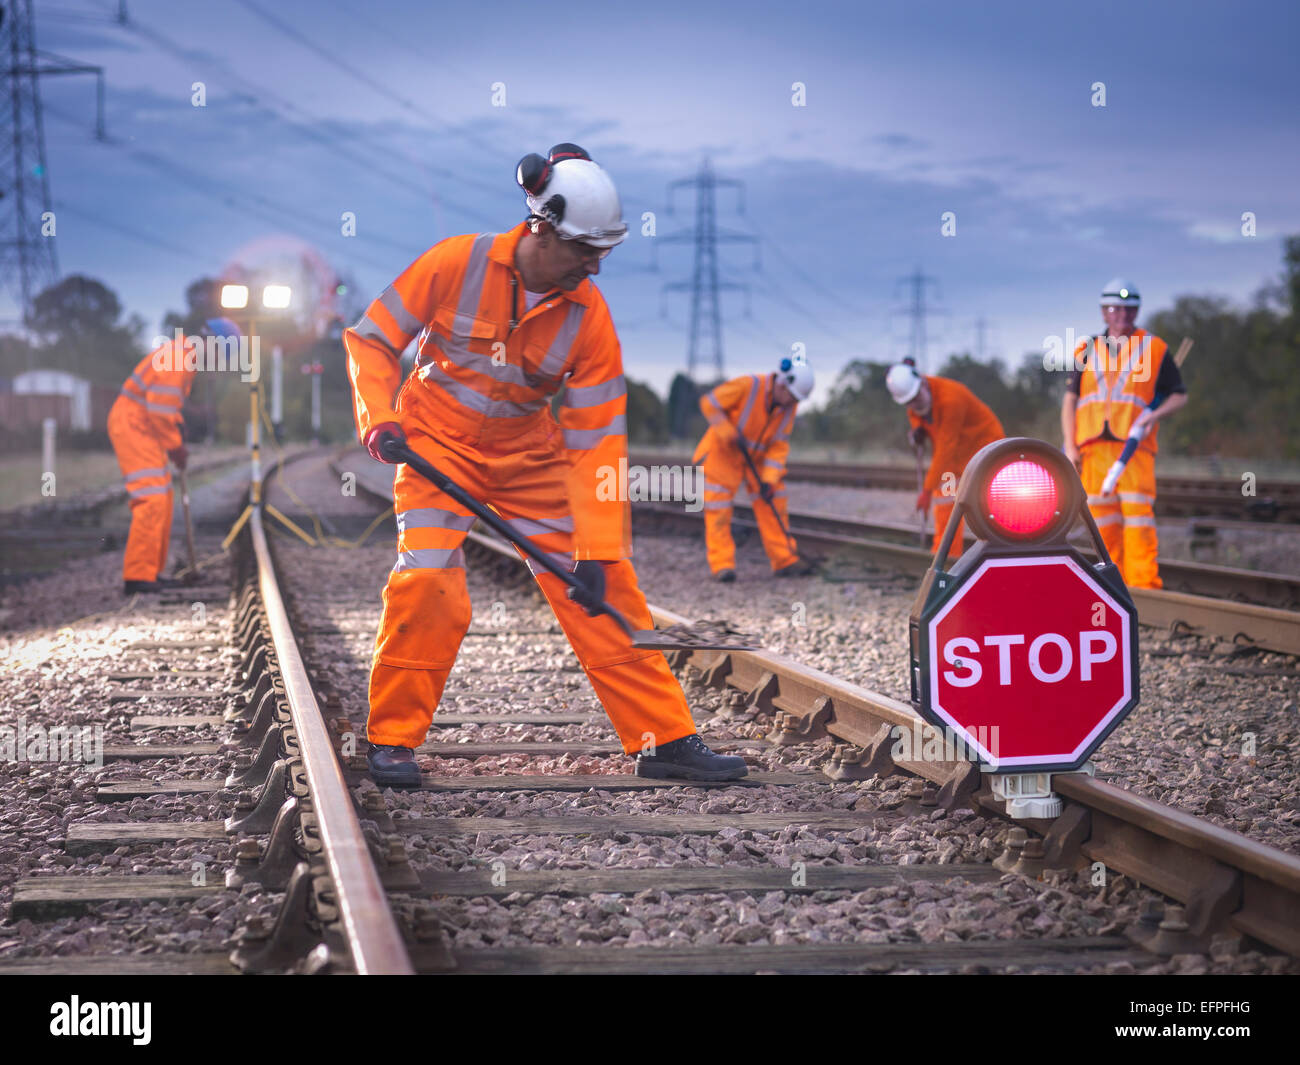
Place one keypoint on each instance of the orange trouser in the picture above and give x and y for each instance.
(1126, 520)
(942, 515)
(427, 606)
(149, 489)
(721, 480)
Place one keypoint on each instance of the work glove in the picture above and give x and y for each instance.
(917, 437)
(378, 434)
(923, 500)
(180, 456)
(767, 491)
(591, 596)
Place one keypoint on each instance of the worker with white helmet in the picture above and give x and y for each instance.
(506, 320)
(1124, 381)
(752, 414)
(951, 416)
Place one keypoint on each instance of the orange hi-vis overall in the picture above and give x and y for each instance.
(143, 425)
(1109, 403)
(477, 407)
(959, 425)
(747, 404)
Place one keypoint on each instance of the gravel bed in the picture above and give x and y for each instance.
(811, 620)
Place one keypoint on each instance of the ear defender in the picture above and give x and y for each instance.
(786, 364)
(532, 173)
(567, 151)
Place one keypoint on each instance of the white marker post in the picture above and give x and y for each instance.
(49, 434)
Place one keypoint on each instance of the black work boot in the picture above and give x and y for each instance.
(393, 767)
(147, 587)
(800, 567)
(689, 759)
(725, 576)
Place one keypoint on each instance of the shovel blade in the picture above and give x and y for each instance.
(658, 640)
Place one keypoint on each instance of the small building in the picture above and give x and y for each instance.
(72, 401)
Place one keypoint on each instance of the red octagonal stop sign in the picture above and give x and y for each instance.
(1031, 661)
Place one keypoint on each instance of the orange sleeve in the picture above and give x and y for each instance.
(169, 383)
(725, 401)
(375, 344)
(946, 430)
(593, 418)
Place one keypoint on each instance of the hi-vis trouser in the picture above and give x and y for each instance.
(427, 606)
(724, 470)
(1126, 519)
(143, 461)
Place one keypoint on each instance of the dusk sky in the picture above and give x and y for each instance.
(385, 108)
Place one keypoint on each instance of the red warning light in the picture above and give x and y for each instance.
(1022, 498)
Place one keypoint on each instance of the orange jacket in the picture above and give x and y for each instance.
(490, 368)
(746, 402)
(959, 424)
(1121, 391)
(160, 384)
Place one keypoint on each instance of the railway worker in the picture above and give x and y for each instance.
(755, 412)
(1123, 382)
(957, 423)
(505, 320)
(146, 430)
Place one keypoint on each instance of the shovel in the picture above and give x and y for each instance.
(649, 638)
(920, 485)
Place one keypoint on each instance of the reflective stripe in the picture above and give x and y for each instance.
(367, 329)
(169, 389)
(563, 559)
(719, 504)
(754, 388)
(1099, 500)
(406, 321)
(770, 465)
(469, 397)
(459, 355)
(530, 528)
(166, 402)
(151, 490)
(1091, 397)
(1136, 497)
(139, 381)
(558, 353)
(788, 424)
(155, 408)
(433, 518)
(1109, 519)
(471, 286)
(586, 439)
(716, 407)
(595, 395)
(154, 471)
(1138, 519)
(430, 558)
(709, 487)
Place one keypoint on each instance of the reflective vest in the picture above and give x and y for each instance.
(1115, 388)
(160, 385)
(488, 368)
(747, 402)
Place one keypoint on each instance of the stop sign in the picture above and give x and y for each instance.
(1030, 660)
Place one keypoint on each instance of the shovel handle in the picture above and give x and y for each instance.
(399, 452)
(749, 461)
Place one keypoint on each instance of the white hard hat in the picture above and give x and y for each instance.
(1120, 293)
(574, 195)
(903, 382)
(797, 376)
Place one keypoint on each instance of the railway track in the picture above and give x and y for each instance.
(531, 849)
(1245, 607)
(1272, 501)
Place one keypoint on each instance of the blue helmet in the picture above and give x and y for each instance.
(221, 327)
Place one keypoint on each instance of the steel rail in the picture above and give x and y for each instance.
(1249, 624)
(372, 935)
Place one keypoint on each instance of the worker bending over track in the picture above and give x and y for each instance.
(146, 431)
(957, 423)
(751, 414)
(505, 320)
(1123, 382)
